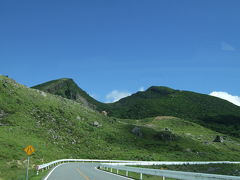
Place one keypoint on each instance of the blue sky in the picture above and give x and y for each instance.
(114, 47)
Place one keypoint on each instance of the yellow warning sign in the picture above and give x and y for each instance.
(29, 150)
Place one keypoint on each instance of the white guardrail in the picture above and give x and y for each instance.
(53, 163)
(168, 173)
(120, 165)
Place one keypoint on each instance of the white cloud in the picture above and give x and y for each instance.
(116, 95)
(227, 47)
(224, 95)
(141, 89)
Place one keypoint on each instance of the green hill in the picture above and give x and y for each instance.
(61, 128)
(165, 101)
(67, 88)
(209, 111)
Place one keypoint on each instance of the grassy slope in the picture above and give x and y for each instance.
(206, 110)
(61, 128)
(194, 139)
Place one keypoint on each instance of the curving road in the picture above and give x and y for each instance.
(80, 171)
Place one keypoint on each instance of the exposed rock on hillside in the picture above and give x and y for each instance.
(96, 124)
(166, 136)
(78, 118)
(104, 113)
(2, 113)
(167, 129)
(219, 139)
(137, 131)
(43, 94)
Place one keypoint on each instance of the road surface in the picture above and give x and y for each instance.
(81, 171)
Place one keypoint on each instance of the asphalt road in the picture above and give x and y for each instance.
(81, 171)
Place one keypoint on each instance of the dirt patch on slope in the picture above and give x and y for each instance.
(164, 117)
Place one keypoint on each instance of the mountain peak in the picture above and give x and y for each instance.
(161, 89)
(65, 79)
(67, 88)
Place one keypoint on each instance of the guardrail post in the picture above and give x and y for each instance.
(111, 169)
(126, 173)
(141, 176)
(117, 171)
(163, 178)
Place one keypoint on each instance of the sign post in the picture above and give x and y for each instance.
(27, 167)
(29, 150)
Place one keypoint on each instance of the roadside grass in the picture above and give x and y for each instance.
(20, 174)
(40, 176)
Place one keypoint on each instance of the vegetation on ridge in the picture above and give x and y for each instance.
(206, 110)
(67, 88)
(209, 111)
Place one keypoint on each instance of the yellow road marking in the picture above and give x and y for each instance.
(82, 174)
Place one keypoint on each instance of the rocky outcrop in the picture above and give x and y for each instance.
(104, 113)
(137, 131)
(167, 129)
(166, 135)
(2, 113)
(96, 124)
(218, 139)
(79, 118)
(43, 94)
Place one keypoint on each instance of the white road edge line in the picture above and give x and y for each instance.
(113, 174)
(52, 171)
